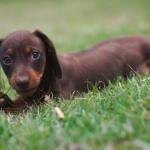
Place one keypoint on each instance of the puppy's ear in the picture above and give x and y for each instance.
(51, 55)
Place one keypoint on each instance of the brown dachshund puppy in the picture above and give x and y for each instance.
(34, 70)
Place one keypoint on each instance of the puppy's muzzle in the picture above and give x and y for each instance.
(22, 82)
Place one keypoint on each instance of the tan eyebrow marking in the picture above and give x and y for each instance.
(27, 50)
(10, 51)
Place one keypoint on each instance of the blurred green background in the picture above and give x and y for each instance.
(75, 24)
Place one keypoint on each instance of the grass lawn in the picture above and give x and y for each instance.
(117, 117)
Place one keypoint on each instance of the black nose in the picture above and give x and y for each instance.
(22, 82)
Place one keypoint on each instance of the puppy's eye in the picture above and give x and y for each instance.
(7, 60)
(35, 55)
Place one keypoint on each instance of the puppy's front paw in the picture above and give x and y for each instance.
(5, 101)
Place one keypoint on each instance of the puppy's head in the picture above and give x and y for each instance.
(24, 57)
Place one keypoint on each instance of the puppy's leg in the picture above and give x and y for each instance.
(6, 101)
(18, 104)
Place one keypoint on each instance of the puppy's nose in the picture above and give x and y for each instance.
(22, 82)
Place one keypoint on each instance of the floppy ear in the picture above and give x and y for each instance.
(51, 55)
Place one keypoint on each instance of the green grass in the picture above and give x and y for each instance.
(116, 118)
